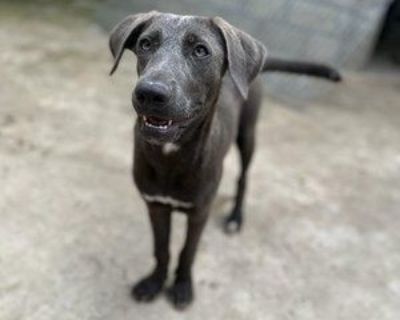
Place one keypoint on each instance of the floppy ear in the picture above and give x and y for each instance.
(126, 32)
(245, 55)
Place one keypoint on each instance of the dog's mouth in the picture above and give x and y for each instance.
(162, 125)
(157, 123)
(161, 130)
(164, 128)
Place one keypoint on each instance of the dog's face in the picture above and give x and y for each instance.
(180, 64)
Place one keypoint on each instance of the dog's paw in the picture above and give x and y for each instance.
(147, 289)
(232, 224)
(181, 294)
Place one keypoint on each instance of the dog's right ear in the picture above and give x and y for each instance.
(126, 32)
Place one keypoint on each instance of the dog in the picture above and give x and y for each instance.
(196, 94)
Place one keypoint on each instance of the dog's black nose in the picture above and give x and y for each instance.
(152, 93)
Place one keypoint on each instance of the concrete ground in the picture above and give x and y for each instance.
(321, 239)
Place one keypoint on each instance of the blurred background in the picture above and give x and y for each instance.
(344, 33)
(321, 239)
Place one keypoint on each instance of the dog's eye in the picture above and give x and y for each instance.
(145, 44)
(200, 51)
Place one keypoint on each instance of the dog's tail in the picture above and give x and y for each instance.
(302, 67)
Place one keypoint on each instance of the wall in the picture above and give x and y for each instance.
(339, 32)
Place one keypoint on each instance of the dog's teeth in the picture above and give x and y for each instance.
(158, 126)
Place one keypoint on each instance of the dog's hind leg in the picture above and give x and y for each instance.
(246, 143)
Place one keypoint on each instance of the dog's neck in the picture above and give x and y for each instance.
(169, 148)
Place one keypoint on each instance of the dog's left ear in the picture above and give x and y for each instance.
(126, 32)
(245, 55)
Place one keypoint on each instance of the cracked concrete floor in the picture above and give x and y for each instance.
(321, 239)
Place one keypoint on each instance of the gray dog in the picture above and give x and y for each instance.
(197, 93)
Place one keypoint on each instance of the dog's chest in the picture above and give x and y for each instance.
(167, 200)
(168, 179)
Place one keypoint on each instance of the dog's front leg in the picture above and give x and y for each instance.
(181, 292)
(160, 218)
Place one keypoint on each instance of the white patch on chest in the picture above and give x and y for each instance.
(169, 147)
(167, 201)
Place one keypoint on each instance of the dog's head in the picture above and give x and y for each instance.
(180, 62)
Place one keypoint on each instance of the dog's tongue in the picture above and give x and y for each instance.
(157, 121)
